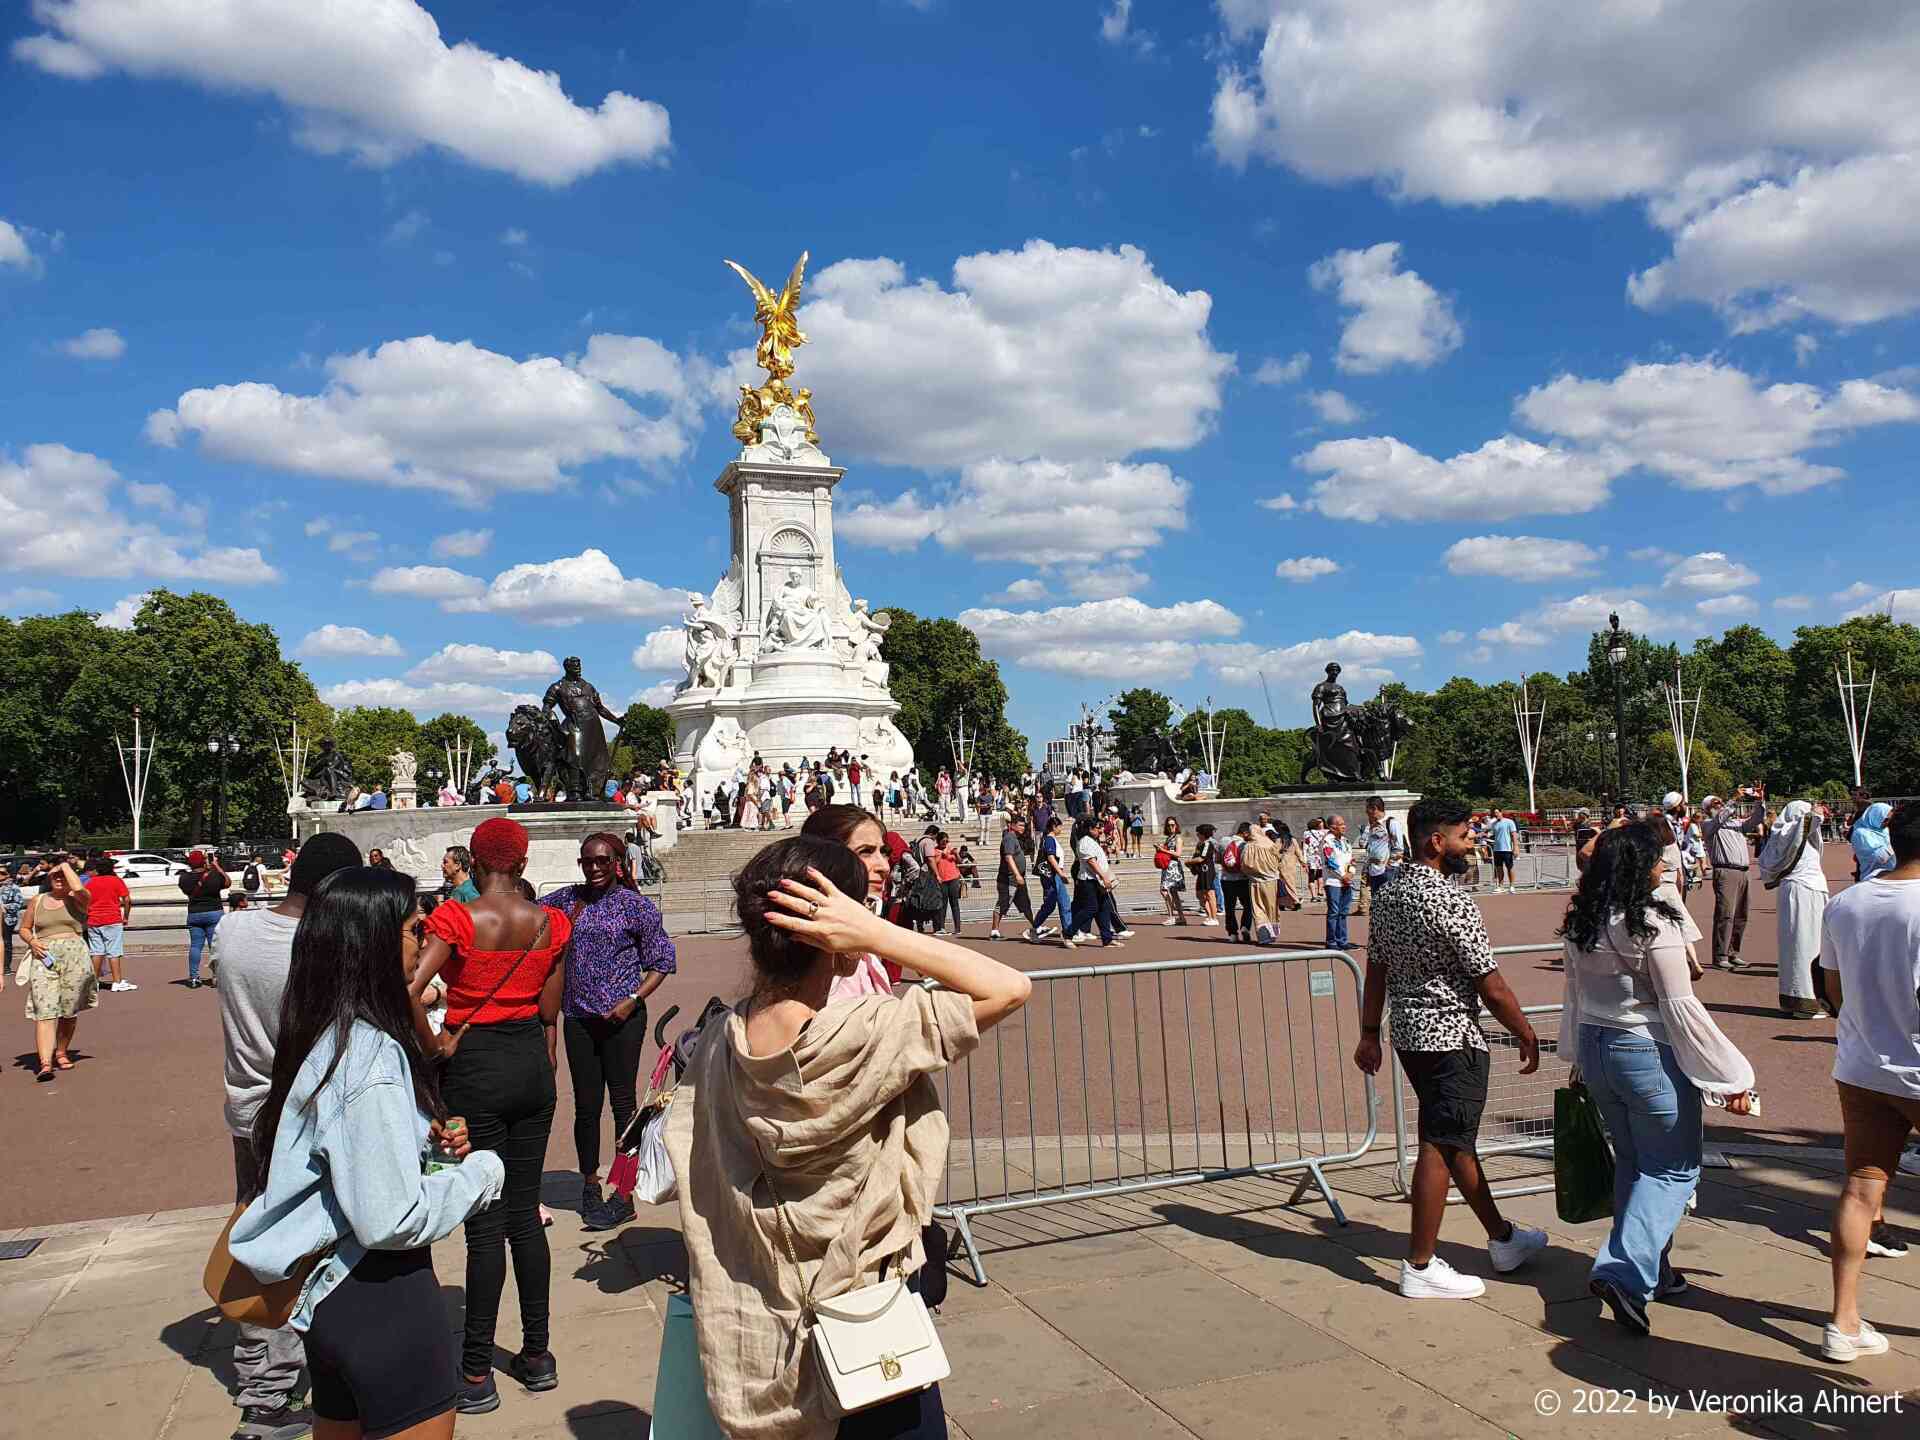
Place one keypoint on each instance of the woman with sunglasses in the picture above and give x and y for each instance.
(501, 957)
(620, 955)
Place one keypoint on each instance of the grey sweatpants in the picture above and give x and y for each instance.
(268, 1361)
(1729, 911)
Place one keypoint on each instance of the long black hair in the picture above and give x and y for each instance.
(346, 967)
(1618, 881)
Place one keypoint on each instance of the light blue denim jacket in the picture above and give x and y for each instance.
(346, 1172)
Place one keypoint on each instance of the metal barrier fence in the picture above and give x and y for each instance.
(1519, 1114)
(1125, 1079)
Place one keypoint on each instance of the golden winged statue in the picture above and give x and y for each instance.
(778, 318)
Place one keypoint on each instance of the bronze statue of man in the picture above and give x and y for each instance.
(585, 762)
(329, 774)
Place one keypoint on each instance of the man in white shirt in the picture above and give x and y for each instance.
(1336, 860)
(1870, 949)
(1386, 846)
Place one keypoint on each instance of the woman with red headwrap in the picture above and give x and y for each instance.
(500, 959)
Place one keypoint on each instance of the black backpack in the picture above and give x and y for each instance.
(251, 878)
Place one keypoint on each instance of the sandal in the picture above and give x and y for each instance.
(44, 1074)
(62, 1060)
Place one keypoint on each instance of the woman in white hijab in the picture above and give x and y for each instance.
(1790, 867)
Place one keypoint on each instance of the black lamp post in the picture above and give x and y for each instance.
(1616, 658)
(223, 746)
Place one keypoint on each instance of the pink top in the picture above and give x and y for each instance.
(869, 977)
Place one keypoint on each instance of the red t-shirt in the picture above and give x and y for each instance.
(471, 973)
(104, 894)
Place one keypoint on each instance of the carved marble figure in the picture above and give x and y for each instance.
(710, 646)
(796, 620)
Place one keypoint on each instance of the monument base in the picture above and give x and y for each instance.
(1295, 805)
(414, 840)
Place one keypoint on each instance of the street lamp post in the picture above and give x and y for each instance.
(1616, 658)
(222, 746)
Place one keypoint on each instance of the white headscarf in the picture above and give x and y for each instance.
(1784, 838)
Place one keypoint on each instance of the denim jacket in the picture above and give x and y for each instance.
(346, 1172)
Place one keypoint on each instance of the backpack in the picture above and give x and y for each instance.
(1230, 857)
(251, 878)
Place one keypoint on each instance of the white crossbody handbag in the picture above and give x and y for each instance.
(873, 1344)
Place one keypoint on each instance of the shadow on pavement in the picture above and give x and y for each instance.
(1275, 1242)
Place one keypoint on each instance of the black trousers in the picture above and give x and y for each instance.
(604, 1060)
(500, 1081)
(950, 893)
(1238, 892)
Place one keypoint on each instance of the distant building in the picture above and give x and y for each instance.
(1070, 751)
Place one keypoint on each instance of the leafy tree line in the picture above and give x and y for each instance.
(1770, 715)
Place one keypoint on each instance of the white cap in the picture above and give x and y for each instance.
(1671, 799)
(1709, 802)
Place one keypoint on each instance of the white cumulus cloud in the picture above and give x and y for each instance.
(1047, 350)
(1513, 632)
(425, 582)
(1282, 372)
(587, 586)
(1521, 557)
(15, 250)
(1302, 569)
(479, 701)
(1710, 426)
(331, 641)
(371, 78)
(1711, 572)
(1333, 408)
(1793, 602)
(1722, 605)
(1380, 478)
(99, 343)
(430, 414)
(1397, 318)
(89, 533)
(461, 544)
(123, 612)
(1902, 605)
(1119, 638)
(459, 661)
(1364, 658)
(663, 649)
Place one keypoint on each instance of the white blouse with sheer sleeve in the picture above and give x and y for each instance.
(1643, 987)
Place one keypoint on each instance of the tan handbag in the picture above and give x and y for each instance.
(241, 1295)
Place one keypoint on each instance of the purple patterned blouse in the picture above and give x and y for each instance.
(616, 939)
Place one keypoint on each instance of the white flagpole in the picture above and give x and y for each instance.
(1531, 723)
(136, 777)
(1857, 719)
(1683, 730)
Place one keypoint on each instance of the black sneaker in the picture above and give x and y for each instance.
(1627, 1310)
(536, 1372)
(613, 1212)
(476, 1399)
(278, 1422)
(1883, 1244)
(1672, 1284)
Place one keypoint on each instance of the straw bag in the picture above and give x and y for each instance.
(873, 1344)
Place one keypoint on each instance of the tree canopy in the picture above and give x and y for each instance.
(942, 681)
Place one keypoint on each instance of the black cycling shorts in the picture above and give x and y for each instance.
(1451, 1086)
(380, 1348)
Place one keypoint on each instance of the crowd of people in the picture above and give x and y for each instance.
(1641, 1042)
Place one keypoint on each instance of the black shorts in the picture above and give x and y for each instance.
(1451, 1086)
(1503, 859)
(1013, 895)
(380, 1348)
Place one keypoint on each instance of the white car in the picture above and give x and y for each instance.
(140, 865)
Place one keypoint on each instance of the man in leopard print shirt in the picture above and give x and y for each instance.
(1428, 953)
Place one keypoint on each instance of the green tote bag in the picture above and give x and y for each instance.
(1582, 1159)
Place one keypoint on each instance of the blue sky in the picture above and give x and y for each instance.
(1162, 344)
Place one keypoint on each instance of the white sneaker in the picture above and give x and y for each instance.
(1510, 1254)
(1043, 932)
(1837, 1345)
(1209, 921)
(1169, 921)
(1028, 936)
(1438, 1281)
(993, 934)
(1123, 934)
(123, 986)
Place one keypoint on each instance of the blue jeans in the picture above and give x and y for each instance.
(1054, 895)
(1652, 1113)
(1339, 902)
(1089, 908)
(199, 932)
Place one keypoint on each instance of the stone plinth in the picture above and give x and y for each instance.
(416, 839)
(1156, 799)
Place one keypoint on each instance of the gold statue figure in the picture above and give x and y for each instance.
(780, 335)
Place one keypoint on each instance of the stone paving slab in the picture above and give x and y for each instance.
(1220, 1310)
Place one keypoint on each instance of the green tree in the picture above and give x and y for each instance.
(1254, 759)
(939, 677)
(1139, 717)
(368, 734)
(647, 735)
(435, 737)
(1813, 737)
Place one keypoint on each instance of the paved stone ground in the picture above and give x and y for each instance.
(1215, 1311)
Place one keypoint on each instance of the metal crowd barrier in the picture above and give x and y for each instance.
(1519, 1114)
(1125, 1079)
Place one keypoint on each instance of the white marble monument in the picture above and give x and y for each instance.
(782, 661)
